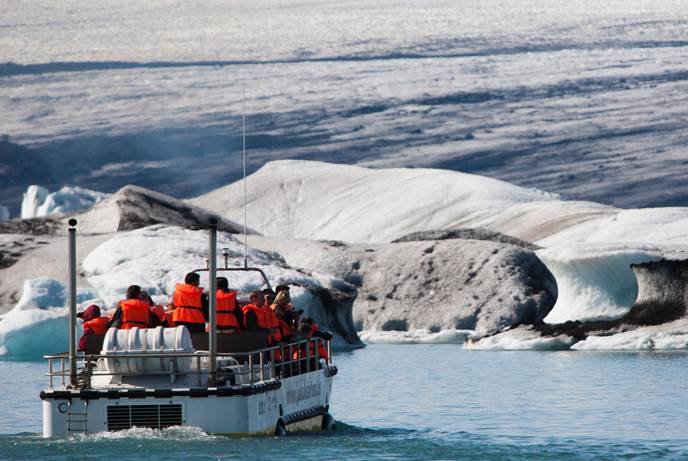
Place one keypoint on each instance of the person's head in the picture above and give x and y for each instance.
(222, 283)
(269, 296)
(256, 297)
(90, 313)
(144, 296)
(133, 292)
(306, 327)
(192, 278)
(283, 289)
(282, 299)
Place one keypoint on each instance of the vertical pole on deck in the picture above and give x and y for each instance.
(212, 298)
(243, 137)
(72, 302)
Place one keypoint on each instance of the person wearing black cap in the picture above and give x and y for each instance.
(308, 329)
(269, 297)
(279, 288)
(230, 317)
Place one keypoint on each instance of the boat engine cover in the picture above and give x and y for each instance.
(157, 340)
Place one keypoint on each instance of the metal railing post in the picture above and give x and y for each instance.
(309, 343)
(72, 302)
(260, 359)
(50, 373)
(198, 368)
(291, 360)
(87, 372)
(250, 368)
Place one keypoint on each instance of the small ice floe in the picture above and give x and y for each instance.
(419, 336)
(520, 339)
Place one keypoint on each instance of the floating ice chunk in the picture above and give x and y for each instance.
(520, 339)
(32, 333)
(33, 199)
(46, 293)
(42, 293)
(669, 336)
(38, 323)
(420, 336)
(39, 202)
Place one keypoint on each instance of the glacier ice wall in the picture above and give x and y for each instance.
(594, 282)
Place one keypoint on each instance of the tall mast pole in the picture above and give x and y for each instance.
(72, 302)
(212, 298)
(243, 136)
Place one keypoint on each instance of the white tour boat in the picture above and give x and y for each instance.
(163, 377)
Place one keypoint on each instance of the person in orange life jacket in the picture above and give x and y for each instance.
(285, 314)
(308, 329)
(229, 316)
(257, 317)
(155, 309)
(269, 297)
(190, 304)
(94, 324)
(283, 299)
(133, 312)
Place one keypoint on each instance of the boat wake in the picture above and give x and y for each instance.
(175, 433)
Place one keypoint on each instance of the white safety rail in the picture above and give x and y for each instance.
(277, 362)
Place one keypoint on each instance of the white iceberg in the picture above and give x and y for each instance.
(158, 257)
(38, 201)
(38, 323)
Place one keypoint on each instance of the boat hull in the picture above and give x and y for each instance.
(295, 403)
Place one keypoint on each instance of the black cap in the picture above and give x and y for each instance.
(279, 288)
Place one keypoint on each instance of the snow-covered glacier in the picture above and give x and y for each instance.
(582, 98)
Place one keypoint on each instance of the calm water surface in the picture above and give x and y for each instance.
(423, 402)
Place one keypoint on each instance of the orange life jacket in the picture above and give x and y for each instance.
(187, 300)
(285, 329)
(267, 319)
(169, 316)
(322, 351)
(135, 313)
(159, 312)
(99, 325)
(226, 303)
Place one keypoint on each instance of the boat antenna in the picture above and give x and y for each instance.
(243, 137)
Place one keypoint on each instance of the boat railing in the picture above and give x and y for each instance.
(275, 362)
